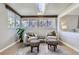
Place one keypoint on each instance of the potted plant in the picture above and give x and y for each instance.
(20, 32)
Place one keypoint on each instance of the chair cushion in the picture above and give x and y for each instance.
(51, 33)
(41, 37)
(30, 34)
(51, 37)
(32, 38)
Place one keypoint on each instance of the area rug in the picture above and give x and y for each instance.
(43, 50)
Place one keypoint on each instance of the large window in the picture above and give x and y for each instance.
(13, 19)
(39, 22)
(18, 19)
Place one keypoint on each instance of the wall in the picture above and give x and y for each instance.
(71, 21)
(71, 38)
(7, 36)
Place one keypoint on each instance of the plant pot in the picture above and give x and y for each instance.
(21, 40)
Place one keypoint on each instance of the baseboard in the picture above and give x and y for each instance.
(9, 46)
(70, 46)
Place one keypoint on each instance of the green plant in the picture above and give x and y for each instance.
(20, 32)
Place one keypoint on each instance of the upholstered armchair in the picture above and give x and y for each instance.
(26, 37)
(52, 35)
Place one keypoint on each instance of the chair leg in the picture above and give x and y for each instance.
(48, 46)
(31, 49)
(38, 48)
(55, 48)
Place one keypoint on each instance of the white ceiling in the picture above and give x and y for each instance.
(24, 8)
(74, 12)
(56, 8)
(31, 8)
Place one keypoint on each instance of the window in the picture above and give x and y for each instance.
(17, 21)
(25, 24)
(39, 22)
(13, 20)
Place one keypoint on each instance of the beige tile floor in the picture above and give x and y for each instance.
(12, 50)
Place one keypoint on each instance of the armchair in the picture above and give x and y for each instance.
(26, 37)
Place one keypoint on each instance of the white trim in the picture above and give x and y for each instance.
(9, 46)
(70, 46)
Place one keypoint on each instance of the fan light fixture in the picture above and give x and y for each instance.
(41, 8)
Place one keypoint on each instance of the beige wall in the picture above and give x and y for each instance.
(7, 36)
(71, 38)
(71, 21)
